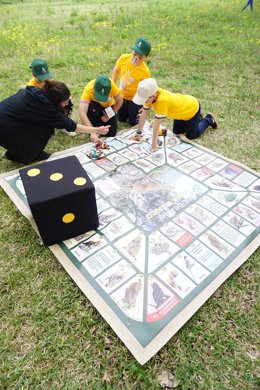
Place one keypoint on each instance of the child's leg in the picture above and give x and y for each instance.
(95, 111)
(133, 113)
(178, 127)
(122, 113)
(195, 126)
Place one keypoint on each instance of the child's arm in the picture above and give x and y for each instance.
(142, 119)
(119, 102)
(115, 74)
(83, 113)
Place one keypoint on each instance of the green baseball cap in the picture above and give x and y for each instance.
(40, 69)
(102, 88)
(142, 46)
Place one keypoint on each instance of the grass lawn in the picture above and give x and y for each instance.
(51, 336)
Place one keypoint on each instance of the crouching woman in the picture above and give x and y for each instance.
(29, 117)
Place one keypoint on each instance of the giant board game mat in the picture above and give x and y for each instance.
(174, 225)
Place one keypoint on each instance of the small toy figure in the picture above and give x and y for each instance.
(138, 136)
(162, 132)
(94, 154)
(101, 145)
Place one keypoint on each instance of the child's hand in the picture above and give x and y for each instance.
(153, 148)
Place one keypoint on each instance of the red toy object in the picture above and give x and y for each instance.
(102, 145)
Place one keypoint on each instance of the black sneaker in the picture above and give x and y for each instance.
(213, 122)
(8, 155)
(42, 156)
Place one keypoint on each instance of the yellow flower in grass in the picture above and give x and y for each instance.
(103, 24)
(23, 39)
(162, 46)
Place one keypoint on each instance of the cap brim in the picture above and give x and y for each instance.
(139, 100)
(138, 51)
(45, 76)
(100, 98)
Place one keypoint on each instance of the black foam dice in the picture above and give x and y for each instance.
(61, 197)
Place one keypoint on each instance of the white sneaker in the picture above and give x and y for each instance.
(69, 133)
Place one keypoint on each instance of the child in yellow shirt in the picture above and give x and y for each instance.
(40, 72)
(99, 103)
(184, 109)
(131, 69)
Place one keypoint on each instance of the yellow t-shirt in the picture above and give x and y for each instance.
(35, 83)
(88, 94)
(174, 105)
(130, 75)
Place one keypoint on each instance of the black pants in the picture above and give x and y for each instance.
(193, 127)
(25, 148)
(95, 112)
(129, 110)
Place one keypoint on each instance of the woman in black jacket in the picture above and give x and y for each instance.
(29, 117)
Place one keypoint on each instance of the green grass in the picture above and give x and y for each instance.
(51, 336)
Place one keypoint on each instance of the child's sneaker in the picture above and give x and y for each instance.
(213, 122)
(69, 133)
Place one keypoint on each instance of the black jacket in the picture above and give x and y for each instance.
(27, 121)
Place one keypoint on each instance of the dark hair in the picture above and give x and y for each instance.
(56, 91)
